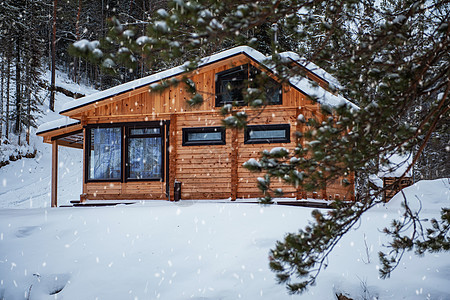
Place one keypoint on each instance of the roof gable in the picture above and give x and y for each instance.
(304, 85)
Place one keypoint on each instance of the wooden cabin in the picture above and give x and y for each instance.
(138, 142)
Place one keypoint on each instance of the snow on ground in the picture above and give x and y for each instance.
(200, 250)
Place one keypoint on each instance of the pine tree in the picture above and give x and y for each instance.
(391, 59)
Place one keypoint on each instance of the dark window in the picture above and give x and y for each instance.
(104, 154)
(271, 87)
(144, 153)
(261, 134)
(230, 84)
(203, 136)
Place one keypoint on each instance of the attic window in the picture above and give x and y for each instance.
(230, 84)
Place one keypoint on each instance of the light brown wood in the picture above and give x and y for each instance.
(173, 148)
(54, 196)
(210, 171)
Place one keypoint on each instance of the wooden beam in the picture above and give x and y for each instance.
(54, 197)
(83, 196)
(234, 163)
(172, 154)
(300, 141)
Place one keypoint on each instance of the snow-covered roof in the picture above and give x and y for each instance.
(305, 85)
(320, 94)
(56, 124)
(313, 68)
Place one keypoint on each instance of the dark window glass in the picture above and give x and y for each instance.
(203, 136)
(261, 134)
(229, 85)
(104, 162)
(271, 87)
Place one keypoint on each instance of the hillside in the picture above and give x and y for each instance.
(26, 183)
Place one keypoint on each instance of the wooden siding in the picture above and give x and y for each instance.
(124, 191)
(210, 171)
(204, 171)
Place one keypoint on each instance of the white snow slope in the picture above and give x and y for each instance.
(187, 250)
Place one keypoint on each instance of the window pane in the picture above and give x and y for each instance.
(229, 85)
(204, 136)
(273, 94)
(261, 134)
(105, 153)
(267, 134)
(144, 158)
(140, 131)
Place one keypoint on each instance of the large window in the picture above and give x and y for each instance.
(105, 152)
(125, 153)
(144, 150)
(262, 134)
(230, 84)
(203, 136)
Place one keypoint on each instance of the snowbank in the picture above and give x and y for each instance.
(197, 250)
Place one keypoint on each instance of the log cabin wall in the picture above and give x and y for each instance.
(210, 171)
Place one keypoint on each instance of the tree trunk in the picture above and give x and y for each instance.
(52, 91)
(2, 76)
(77, 32)
(8, 81)
(18, 127)
(28, 95)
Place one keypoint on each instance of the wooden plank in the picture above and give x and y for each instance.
(82, 196)
(197, 156)
(204, 195)
(234, 164)
(203, 166)
(199, 173)
(152, 196)
(54, 197)
(173, 148)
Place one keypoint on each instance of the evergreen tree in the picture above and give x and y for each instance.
(391, 59)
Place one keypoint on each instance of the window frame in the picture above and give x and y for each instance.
(88, 152)
(249, 72)
(187, 130)
(128, 136)
(250, 140)
(219, 101)
(125, 129)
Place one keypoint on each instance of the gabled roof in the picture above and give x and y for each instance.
(305, 85)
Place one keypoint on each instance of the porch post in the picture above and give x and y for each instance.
(234, 163)
(54, 173)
